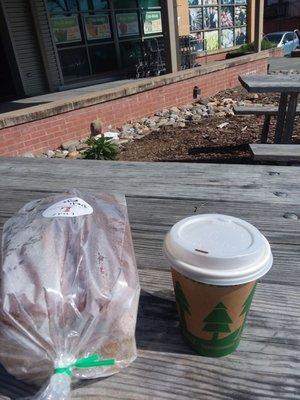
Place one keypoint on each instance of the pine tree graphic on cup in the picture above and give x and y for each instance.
(182, 303)
(247, 304)
(217, 321)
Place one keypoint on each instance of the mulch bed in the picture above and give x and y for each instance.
(227, 144)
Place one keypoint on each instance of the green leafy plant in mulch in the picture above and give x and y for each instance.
(102, 148)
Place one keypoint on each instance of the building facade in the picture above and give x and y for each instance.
(281, 15)
(51, 45)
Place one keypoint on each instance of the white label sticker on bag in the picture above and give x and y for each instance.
(73, 207)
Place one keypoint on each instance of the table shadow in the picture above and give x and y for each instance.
(14, 389)
(158, 324)
(157, 330)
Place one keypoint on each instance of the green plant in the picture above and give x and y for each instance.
(266, 44)
(249, 48)
(101, 149)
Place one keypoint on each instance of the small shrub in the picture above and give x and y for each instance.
(101, 149)
(249, 48)
(266, 44)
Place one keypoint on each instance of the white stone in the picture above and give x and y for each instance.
(28, 155)
(69, 143)
(50, 153)
(174, 110)
(112, 135)
(221, 126)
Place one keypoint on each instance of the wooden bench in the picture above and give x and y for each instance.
(276, 152)
(267, 111)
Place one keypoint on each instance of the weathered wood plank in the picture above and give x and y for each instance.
(193, 181)
(151, 218)
(266, 364)
(258, 110)
(264, 367)
(276, 152)
(271, 83)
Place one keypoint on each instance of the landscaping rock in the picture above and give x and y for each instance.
(174, 110)
(60, 154)
(50, 153)
(174, 116)
(72, 148)
(162, 121)
(221, 126)
(252, 96)
(227, 101)
(196, 118)
(82, 146)
(171, 121)
(204, 102)
(28, 155)
(96, 127)
(163, 113)
(69, 143)
(112, 135)
(73, 154)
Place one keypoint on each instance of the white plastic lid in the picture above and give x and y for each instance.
(218, 249)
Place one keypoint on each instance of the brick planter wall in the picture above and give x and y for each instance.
(47, 126)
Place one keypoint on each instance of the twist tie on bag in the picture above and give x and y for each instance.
(87, 362)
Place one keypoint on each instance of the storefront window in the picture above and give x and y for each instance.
(131, 53)
(103, 58)
(94, 37)
(74, 63)
(125, 4)
(150, 3)
(218, 23)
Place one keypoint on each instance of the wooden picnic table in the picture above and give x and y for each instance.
(289, 88)
(266, 364)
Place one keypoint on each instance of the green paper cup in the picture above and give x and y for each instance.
(215, 262)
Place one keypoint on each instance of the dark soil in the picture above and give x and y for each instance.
(228, 144)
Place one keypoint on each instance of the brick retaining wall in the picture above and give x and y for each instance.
(116, 107)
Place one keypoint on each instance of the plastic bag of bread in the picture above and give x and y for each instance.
(69, 291)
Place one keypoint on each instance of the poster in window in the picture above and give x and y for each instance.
(211, 17)
(196, 19)
(211, 39)
(199, 42)
(97, 27)
(240, 36)
(240, 16)
(226, 38)
(65, 29)
(152, 22)
(195, 2)
(226, 17)
(209, 2)
(128, 24)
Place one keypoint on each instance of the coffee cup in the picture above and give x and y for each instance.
(215, 262)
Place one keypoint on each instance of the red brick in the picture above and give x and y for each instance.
(38, 136)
